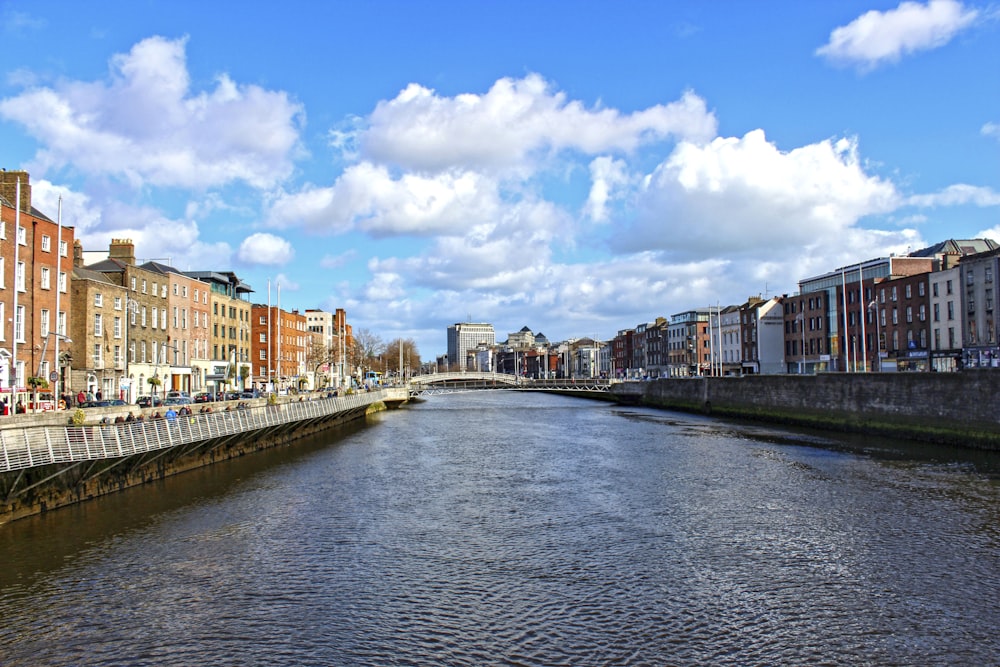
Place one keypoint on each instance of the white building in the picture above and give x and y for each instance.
(465, 337)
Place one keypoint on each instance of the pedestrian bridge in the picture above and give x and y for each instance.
(446, 383)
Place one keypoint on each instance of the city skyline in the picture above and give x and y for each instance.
(574, 168)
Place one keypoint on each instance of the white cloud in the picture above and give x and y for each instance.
(877, 37)
(738, 196)
(368, 197)
(991, 130)
(958, 195)
(287, 284)
(262, 248)
(146, 126)
(608, 176)
(515, 119)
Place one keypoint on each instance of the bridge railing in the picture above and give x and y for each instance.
(45, 445)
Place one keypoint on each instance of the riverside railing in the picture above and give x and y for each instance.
(30, 447)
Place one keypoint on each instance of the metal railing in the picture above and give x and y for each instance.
(30, 447)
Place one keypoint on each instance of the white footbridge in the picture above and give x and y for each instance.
(448, 383)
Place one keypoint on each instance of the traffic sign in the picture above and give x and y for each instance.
(53, 376)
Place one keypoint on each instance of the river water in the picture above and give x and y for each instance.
(500, 528)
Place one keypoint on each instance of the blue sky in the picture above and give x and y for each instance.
(573, 167)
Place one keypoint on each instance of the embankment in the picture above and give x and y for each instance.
(948, 408)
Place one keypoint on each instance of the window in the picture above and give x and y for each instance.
(118, 303)
(22, 238)
(3, 273)
(145, 357)
(155, 314)
(44, 316)
(144, 286)
(951, 310)
(262, 356)
(263, 320)
(909, 314)
(895, 316)
(118, 327)
(46, 278)
(934, 289)
(62, 282)
(144, 322)
(131, 352)
(184, 292)
(175, 289)
(118, 356)
(921, 289)
(63, 249)
(893, 297)
(98, 324)
(3, 230)
(97, 356)
(98, 299)
(908, 290)
(3, 312)
(19, 325)
(46, 243)
(969, 279)
(133, 283)
(19, 278)
(163, 317)
(163, 291)
(61, 323)
(175, 317)
(988, 274)
(937, 312)
(947, 285)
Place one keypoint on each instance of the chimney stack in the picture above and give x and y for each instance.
(8, 188)
(123, 250)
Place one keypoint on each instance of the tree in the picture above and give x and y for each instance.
(366, 349)
(411, 356)
(319, 354)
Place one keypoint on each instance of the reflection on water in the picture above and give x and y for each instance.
(506, 528)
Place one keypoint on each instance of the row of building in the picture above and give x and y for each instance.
(102, 321)
(931, 310)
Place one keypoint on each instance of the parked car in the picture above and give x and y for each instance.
(204, 397)
(149, 401)
(250, 394)
(177, 400)
(174, 393)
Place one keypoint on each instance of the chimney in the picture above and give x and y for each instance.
(123, 250)
(77, 254)
(8, 188)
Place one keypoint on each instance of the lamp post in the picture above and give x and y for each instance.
(801, 319)
(873, 308)
(41, 363)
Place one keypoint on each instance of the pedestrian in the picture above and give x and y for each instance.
(99, 395)
(130, 418)
(4, 408)
(171, 415)
(19, 408)
(81, 398)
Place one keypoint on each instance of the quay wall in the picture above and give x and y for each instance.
(28, 490)
(948, 408)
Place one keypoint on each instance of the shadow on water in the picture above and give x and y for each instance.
(880, 448)
(34, 546)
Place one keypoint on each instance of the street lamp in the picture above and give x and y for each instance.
(873, 308)
(54, 376)
(801, 319)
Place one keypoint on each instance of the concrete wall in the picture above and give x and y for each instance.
(953, 408)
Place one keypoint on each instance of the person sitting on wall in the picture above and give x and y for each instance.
(19, 408)
(81, 398)
(130, 418)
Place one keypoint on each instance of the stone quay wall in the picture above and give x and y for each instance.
(949, 408)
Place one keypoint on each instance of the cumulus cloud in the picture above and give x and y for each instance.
(740, 195)
(608, 177)
(991, 130)
(146, 126)
(515, 119)
(263, 248)
(368, 197)
(878, 37)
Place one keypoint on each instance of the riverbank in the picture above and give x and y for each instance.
(948, 408)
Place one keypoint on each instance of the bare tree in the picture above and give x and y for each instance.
(367, 348)
(411, 356)
(319, 354)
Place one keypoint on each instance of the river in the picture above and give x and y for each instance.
(500, 528)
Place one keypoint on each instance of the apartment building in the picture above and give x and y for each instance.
(280, 339)
(229, 354)
(978, 279)
(35, 308)
(946, 320)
